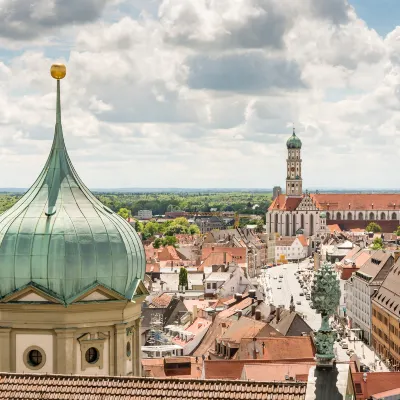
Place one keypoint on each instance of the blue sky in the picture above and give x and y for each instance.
(381, 15)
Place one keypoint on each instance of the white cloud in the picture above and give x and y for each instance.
(201, 94)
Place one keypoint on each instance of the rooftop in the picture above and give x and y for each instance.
(20, 386)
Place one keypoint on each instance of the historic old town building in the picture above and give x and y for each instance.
(386, 318)
(70, 278)
(303, 212)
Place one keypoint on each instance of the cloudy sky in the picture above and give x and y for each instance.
(203, 93)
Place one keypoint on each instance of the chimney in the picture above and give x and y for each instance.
(253, 309)
(224, 257)
(238, 297)
(194, 313)
(239, 313)
(252, 293)
(278, 314)
(258, 315)
(212, 248)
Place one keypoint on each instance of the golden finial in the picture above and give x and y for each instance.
(58, 71)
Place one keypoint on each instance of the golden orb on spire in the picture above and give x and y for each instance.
(58, 71)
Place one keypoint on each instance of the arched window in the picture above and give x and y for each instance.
(294, 225)
(349, 216)
(339, 216)
(311, 224)
(360, 216)
(383, 215)
(394, 216)
(302, 221)
(371, 216)
(287, 225)
(276, 223)
(328, 215)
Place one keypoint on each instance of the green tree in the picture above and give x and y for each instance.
(183, 277)
(151, 228)
(194, 229)
(157, 243)
(397, 231)
(139, 226)
(377, 244)
(373, 227)
(260, 226)
(169, 241)
(124, 213)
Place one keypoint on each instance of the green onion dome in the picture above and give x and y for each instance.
(59, 238)
(293, 142)
(322, 214)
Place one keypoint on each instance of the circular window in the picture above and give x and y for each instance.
(92, 355)
(128, 349)
(34, 357)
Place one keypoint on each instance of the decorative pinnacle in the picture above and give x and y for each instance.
(294, 130)
(58, 71)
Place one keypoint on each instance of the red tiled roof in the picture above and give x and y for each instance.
(20, 386)
(161, 301)
(279, 348)
(284, 203)
(158, 367)
(357, 201)
(232, 369)
(244, 327)
(376, 382)
(276, 371)
(303, 240)
(152, 268)
(334, 228)
(240, 306)
(168, 253)
(215, 258)
(237, 253)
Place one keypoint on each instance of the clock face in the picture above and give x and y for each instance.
(292, 169)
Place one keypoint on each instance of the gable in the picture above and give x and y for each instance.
(31, 296)
(307, 204)
(95, 296)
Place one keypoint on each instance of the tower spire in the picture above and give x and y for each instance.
(57, 162)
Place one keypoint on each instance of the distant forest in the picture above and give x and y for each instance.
(256, 202)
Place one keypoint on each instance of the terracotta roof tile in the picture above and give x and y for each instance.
(285, 203)
(237, 253)
(278, 348)
(19, 386)
(276, 371)
(376, 382)
(162, 300)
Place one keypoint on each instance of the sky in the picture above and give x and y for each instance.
(177, 93)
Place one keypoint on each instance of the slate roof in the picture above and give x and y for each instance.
(69, 387)
(290, 324)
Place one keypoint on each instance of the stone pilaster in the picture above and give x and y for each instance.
(5, 349)
(137, 346)
(119, 352)
(65, 351)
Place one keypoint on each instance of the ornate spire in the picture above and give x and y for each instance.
(294, 130)
(57, 159)
(325, 296)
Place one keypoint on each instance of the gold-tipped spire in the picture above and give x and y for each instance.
(58, 71)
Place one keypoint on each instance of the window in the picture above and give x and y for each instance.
(92, 355)
(34, 357)
(214, 285)
(128, 349)
(208, 285)
(358, 388)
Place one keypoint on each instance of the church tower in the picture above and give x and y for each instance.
(293, 180)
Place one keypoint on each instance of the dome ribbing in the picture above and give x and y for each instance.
(59, 237)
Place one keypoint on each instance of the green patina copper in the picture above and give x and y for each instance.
(325, 296)
(61, 239)
(293, 142)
